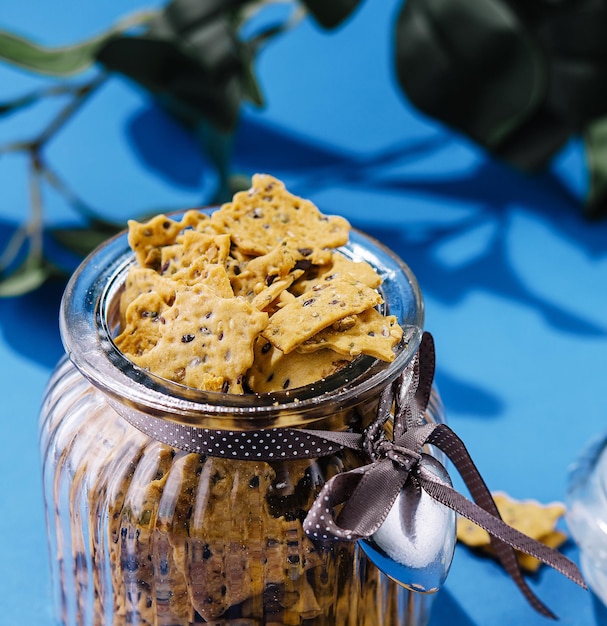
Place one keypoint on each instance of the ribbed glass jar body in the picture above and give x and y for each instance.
(141, 532)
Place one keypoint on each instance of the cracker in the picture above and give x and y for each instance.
(209, 276)
(318, 308)
(272, 370)
(338, 265)
(205, 341)
(265, 263)
(142, 328)
(369, 333)
(260, 272)
(198, 221)
(146, 237)
(553, 539)
(193, 246)
(144, 280)
(278, 303)
(266, 296)
(360, 270)
(258, 219)
(535, 520)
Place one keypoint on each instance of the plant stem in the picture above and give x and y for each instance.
(66, 113)
(14, 245)
(32, 231)
(35, 225)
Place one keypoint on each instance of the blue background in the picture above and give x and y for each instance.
(515, 279)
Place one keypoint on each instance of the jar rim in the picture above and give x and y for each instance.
(90, 302)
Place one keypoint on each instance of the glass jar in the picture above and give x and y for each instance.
(587, 513)
(143, 532)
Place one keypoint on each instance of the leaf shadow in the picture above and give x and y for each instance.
(30, 323)
(463, 395)
(492, 186)
(490, 272)
(165, 147)
(261, 146)
(37, 311)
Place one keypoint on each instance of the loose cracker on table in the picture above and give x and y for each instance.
(370, 333)
(258, 219)
(318, 308)
(535, 520)
(272, 370)
(205, 341)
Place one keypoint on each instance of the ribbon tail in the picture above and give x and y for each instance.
(507, 535)
(503, 540)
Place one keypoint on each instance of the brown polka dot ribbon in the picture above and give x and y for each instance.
(368, 493)
(273, 444)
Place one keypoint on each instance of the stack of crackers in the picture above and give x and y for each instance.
(255, 297)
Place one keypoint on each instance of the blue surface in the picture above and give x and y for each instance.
(515, 280)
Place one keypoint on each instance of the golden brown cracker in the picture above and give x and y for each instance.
(320, 307)
(258, 219)
(198, 221)
(266, 247)
(205, 341)
(338, 265)
(262, 271)
(142, 328)
(144, 280)
(207, 276)
(269, 294)
(157, 232)
(535, 520)
(554, 539)
(529, 516)
(193, 246)
(369, 333)
(272, 370)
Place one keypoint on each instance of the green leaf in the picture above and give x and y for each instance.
(596, 151)
(31, 275)
(186, 87)
(180, 16)
(331, 13)
(63, 60)
(471, 64)
(251, 87)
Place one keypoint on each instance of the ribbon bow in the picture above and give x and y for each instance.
(369, 492)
